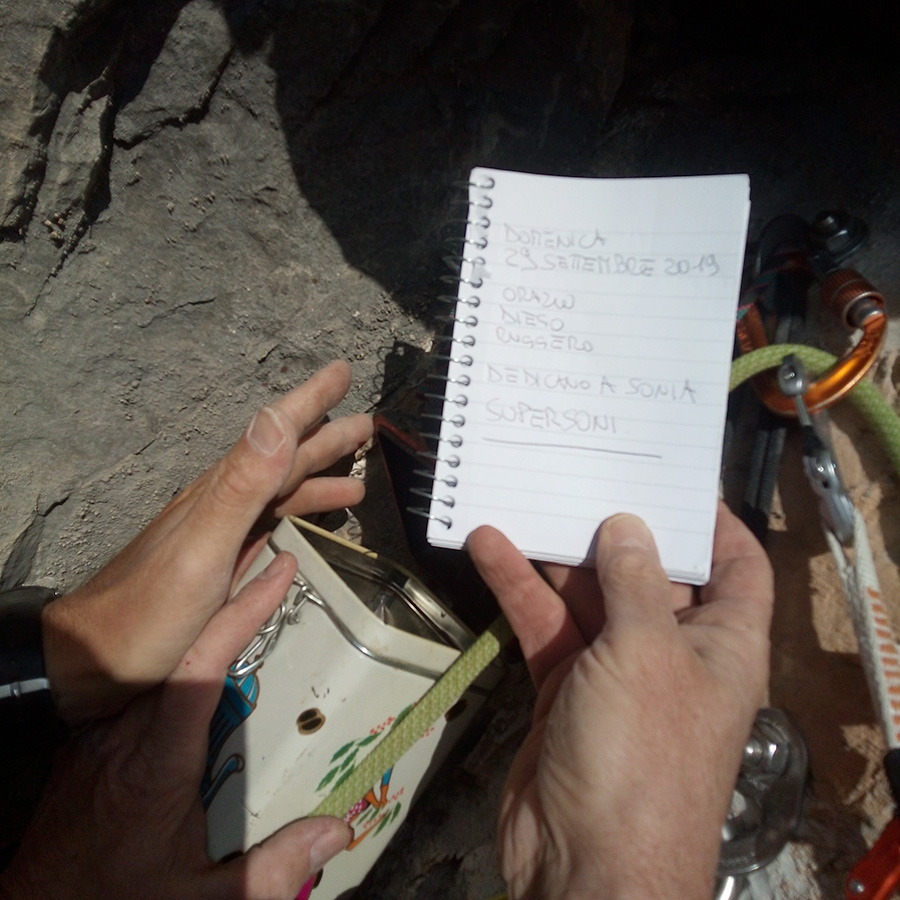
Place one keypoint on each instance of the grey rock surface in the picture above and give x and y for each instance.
(207, 201)
(201, 202)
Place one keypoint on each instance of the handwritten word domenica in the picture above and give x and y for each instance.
(551, 239)
(548, 418)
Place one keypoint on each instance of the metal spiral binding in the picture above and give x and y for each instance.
(458, 279)
(460, 400)
(454, 440)
(454, 261)
(468, 321)
(452, 242)
(450, 480)
(467, 340)
(456, 301)
(462, 380)
(467, 268)
(457, 421)
(421, 492)
(464, 360)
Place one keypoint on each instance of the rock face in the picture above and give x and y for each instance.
(201, 201)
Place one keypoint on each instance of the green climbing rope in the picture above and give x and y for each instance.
(865, 396)
(433, 704)
(452, 685)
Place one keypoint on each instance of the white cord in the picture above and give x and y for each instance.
(877, 647)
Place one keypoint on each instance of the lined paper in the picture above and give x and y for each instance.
(590, 362)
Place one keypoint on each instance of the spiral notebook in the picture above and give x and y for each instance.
(589, 361)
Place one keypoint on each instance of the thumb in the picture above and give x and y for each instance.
(636, 591)
(281, 865)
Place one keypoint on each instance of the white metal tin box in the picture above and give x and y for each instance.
(337, 679)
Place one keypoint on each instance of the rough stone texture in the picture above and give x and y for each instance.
(182, 78)
(201, 202)
(228, 196)
(36, 73)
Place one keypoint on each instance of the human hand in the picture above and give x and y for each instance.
(127, 628)
(647, 692)
(121, 816)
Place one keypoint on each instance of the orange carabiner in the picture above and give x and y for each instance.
(859, 305)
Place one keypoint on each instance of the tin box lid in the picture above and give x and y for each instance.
(359, 624)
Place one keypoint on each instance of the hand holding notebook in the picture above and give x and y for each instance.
(589, 366)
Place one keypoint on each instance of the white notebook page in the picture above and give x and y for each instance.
(590, 362)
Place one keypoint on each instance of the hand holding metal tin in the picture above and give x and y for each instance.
(158, 613)
(122, 815)
(128, 627)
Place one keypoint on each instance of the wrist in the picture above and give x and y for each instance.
(73, 669)
(27, 712)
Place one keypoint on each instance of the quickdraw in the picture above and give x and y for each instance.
(796, 254)
(877, 875)
(792, 250)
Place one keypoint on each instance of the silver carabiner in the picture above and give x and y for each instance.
(819, 463)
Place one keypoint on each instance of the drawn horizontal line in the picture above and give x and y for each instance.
(571, 447)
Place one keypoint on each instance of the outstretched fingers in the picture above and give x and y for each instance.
(305, 405)
(260, 466)
(322, 494)
(316, 452)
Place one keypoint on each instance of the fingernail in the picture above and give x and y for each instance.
(266, 432)
(306, 890)
(274, 568)
(624, 530)
(328, 845)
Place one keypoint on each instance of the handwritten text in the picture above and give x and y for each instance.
(549, 418)
(612, 264)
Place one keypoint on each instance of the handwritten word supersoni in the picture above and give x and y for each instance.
(612, 264)
(549, 418)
